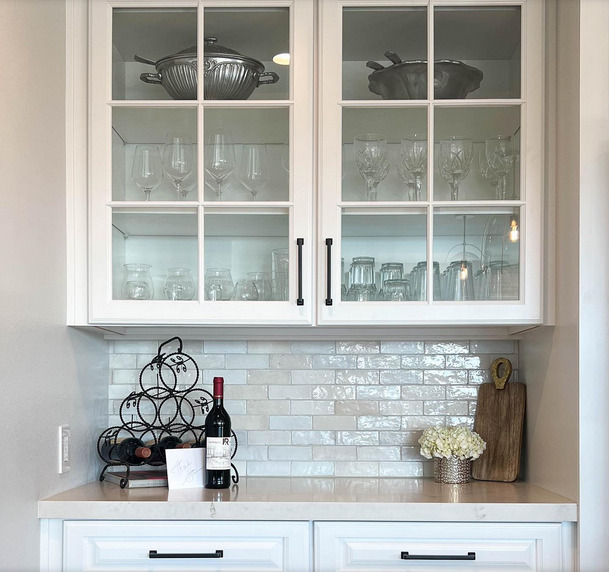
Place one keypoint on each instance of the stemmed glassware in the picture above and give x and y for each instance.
(178, 161)
(413, 161)
(370, 151)
(220, 158)
(500, 157)
(455, 160)
(488, 173)
(254, 168)
(147, 171)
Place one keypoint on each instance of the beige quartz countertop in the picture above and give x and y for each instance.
(283, 498)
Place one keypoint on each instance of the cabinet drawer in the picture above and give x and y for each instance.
(227, 546)
(437, 546)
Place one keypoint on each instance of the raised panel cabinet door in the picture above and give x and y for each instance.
(376, 547)
(220, 546)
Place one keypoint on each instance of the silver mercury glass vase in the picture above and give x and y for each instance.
(451, 470)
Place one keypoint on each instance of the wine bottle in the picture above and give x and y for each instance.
(217, 441)
(129, 451)
(158, 456)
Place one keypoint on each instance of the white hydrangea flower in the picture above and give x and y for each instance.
(458, 441)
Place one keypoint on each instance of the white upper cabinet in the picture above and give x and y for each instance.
(431, 179)
(427, 178)
(201, 186)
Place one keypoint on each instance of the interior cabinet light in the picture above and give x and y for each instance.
(514, 232)
(282, 59)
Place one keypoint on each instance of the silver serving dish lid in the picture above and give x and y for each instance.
(212, 50)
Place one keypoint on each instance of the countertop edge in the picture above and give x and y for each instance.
(285, 510)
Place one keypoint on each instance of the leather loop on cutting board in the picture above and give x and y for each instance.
(500, 381)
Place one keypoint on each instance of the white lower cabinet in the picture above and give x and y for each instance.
(376, 547)
(256, 546)
(251, 546)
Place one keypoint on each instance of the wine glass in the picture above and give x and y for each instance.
(220, 158)
(488, 173)
(413, 156)
(379, 175)
(370, 151)
(147, 171)
(500, 156)
(178, 160)
(254, 168)
(407, 179)
(455, 160)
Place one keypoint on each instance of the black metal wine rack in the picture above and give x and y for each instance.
(169, 403)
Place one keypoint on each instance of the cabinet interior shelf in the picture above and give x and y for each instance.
(184, 223)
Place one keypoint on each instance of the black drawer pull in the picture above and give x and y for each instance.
(469, 556)
(329, 271)
(216, 554)
(300, 299)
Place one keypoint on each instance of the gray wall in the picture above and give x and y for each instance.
(50, 375)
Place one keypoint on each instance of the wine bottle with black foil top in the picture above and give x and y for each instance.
(217, 441)
(129, 451)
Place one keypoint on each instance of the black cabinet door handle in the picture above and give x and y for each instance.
(468, 556)
(216, 554)
(329, 271)
(300, 299)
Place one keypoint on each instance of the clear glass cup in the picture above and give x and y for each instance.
(280, 274)
(362, 271)
(396, 290)
(179, 284)
(220, 158)
(460, 281)
(390, 271)
(262, 283)
(147, 170)
(361, 280)
(178, 161)
(455, 160)
(245, 290)
(137, 282)
(219, 284)
(418, 281)
(370, 152)
(254, 168)
(413, 158)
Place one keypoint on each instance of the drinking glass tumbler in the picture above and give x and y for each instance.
(245, 290)
(179, 284)
(262, 283)
(397, 290)
(219, 284)
(361, 279)
(280, 273)
(137, 282)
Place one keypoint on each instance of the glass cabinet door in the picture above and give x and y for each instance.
(431, 210)
(201, 155)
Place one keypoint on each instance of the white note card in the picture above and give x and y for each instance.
(185, 468)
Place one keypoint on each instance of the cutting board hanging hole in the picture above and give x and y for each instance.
(501, 371)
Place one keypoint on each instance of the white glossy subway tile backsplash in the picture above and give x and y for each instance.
(342, 408)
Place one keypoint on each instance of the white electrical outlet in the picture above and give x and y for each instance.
(64, 449)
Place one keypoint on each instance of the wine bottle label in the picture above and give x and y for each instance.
(217, 456)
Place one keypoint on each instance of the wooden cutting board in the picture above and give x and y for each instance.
(500, 421)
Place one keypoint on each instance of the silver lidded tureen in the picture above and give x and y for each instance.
(227, 73)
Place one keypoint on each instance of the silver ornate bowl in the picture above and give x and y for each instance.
(408, 79)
